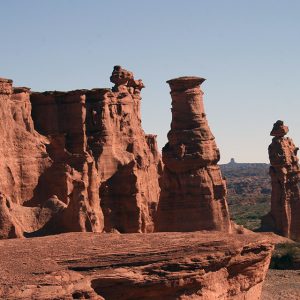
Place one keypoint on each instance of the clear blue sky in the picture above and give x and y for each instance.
(249, 52)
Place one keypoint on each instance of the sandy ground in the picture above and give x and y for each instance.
(282, 284)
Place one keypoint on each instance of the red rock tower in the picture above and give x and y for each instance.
(285, 177)
(193, 195)
(128, 162)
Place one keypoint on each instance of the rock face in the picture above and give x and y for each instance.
(104, 127)
(283, 218)
(23, 158)
(44, 188)
(17, 221)
(149, 266)
(72, 177)
(193, 190)
(128, 161)
(23, 155)
(89, 149)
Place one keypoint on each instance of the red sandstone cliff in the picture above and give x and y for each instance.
(129, 163)
(73, 176)
(89, 149)
(283, 218)
(193, 195)
(43, 190)
(90, 154)
(23, 155)
(23, 158)
(105, 125)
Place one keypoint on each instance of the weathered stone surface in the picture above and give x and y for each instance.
(23, 155)
(35, 170)
(17, 221)
(61, 113)
(128, 161)
(72, 176)
(74, 180)
(193, 195)
(97, 133)
(137, 266)
(283, 218)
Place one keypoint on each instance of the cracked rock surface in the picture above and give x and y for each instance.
(197, 265)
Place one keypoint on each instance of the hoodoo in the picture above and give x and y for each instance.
(283, 218)
(193, 195)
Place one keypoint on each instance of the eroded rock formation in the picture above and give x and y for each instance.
(23, 158)
(23, 155)
(105, 125)
(71, 152)
(283, 218)
(129, 164)
(39, 178)
(137, 266)
(193, 190)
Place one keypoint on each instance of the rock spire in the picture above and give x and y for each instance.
(285, 177)
(193, 195)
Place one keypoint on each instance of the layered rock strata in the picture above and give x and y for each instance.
(129, 163)
(283, 218)
(100, 131)
(23, 158)
(89, 148)
(72, 177)
(23, 155)
(150, 266)
(44, 188)
(193, 195)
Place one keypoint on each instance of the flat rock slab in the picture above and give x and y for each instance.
(198, 265)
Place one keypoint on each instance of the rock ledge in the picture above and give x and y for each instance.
(198, 265)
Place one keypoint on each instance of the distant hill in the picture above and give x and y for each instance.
(249, 191)
(248, 179)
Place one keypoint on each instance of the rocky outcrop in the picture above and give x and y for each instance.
(149, 266)
(17, 221)
(89, 144)
(100, 155)
(128, 161)
(283, 218)
(23, 155)
(23, 158)
(193, 195)
(44, 187)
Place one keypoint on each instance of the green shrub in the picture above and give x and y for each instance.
(286, 256)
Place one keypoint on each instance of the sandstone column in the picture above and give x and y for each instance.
(72, 177)
(128, 162)
(285, 177)
(193, 195)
